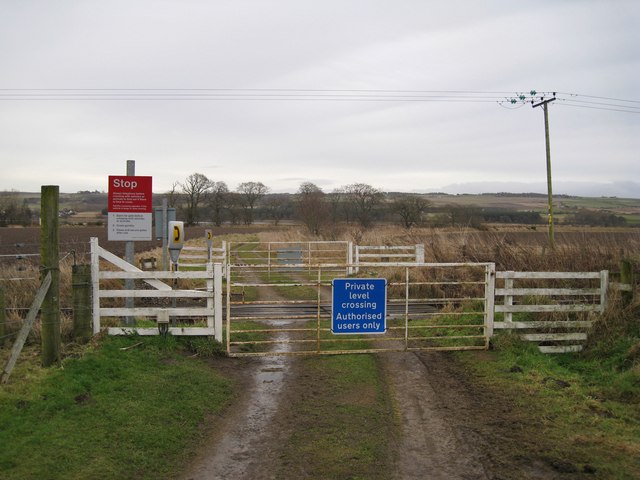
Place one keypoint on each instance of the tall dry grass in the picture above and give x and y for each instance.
(20, 286)
(518, 249)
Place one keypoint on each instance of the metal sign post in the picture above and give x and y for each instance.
(163, 215)
(208, 235)
(175, 235)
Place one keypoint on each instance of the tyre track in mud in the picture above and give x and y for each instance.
(431, 446)
(453, 428)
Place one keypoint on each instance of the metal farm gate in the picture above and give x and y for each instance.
(302, 254)
(287, 310)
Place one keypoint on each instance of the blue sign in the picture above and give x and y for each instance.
(359, 305)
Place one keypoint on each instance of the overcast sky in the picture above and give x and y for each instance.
(307, 90)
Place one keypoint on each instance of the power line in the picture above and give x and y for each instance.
(447, 92)
(598, 103)
(599, 108)
(510, 100)
(246, 96)
(253, 93)
(607, 104)
(601, 98)
(573, 101)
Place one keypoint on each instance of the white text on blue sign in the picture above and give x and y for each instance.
(359, 306)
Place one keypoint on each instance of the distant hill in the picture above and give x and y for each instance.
(97, 201)
(623, 189)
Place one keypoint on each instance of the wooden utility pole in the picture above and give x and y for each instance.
(49, 258)
(544, 103)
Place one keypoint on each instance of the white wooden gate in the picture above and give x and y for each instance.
(196, 310)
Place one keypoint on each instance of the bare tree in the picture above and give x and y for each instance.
(336, 200)
(173, 195)
(13, 211)
(277, 207)
(363, 199)
(410, 208)
(250, 193)
(233, 207)
(312, 207)
(219, 201)
(195, 189)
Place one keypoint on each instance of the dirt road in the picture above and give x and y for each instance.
(449, 428)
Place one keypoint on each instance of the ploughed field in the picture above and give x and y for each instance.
(26, 240)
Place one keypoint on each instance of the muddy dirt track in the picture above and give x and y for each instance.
(449, 428)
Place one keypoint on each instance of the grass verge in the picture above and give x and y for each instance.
(126, 409)
(586, 407)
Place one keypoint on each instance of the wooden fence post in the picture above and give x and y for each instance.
(81, 283)
(49, 258)
(3, 318)
(626, 278)
(489, 300)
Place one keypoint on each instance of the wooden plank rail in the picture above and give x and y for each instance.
(543, 324)
(146, 276)
(547, 308)
(153, 294)
(570, 334)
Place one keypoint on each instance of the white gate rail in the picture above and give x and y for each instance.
(388, 254)
(212, 294)
(202, 256)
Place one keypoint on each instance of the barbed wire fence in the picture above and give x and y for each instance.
(20, 275)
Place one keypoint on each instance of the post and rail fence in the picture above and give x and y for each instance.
(553, 309)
